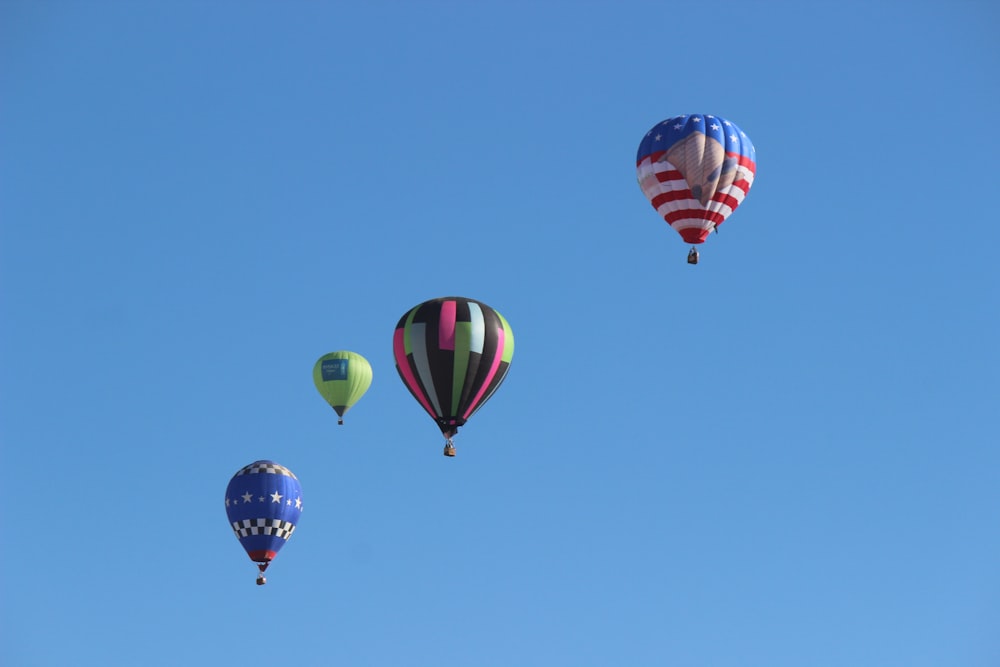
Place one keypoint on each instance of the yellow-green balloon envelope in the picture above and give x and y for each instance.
(342, 378)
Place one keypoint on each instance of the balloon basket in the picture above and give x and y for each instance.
(449, 449)
(261, 579)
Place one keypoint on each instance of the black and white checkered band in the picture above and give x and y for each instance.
(277, 527)
(266, 467)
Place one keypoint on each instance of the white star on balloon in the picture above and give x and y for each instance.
(298, 503)
(715, 126)
(275, 497)
(227, 502)
(247, 497)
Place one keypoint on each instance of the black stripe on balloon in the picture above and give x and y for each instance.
(495, 384)
(490, 341)
(469, 385)
(442, 362)
(462, 311)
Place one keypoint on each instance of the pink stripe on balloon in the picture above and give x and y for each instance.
(399, 351)
(489, 377)
(446, 325)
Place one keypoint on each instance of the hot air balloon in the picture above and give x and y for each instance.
(263, 503)
(342, 378)
(695, 170)
(452, 353)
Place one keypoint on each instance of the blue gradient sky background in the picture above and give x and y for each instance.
(784, 456)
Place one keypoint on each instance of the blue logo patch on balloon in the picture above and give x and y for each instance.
(334, 369)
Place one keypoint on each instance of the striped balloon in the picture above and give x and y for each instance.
(695, 170)
(452, 353)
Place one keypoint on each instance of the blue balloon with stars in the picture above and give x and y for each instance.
(263, 503)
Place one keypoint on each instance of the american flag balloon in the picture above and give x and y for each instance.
(263, 503)
(695, 170)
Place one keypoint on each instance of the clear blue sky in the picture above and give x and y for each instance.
(785, 456)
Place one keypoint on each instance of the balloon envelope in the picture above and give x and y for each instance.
(452, 353)
(695, 170)
(342, 378)
(263, 503)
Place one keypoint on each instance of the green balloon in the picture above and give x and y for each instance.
(342, 378)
